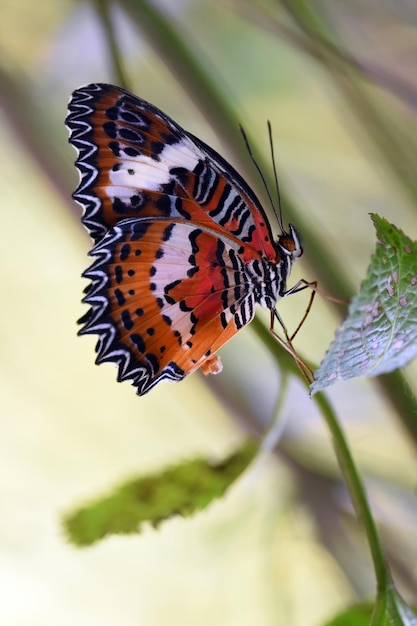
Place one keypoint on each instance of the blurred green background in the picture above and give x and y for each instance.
(338, 82)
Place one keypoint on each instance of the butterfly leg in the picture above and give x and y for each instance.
(305, 284)
(306, 371)
(300, 286)
(287, 344)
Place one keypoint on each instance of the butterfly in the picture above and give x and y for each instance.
(183, 249)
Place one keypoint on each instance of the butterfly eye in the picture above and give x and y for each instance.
(296, 237)
(290, 243)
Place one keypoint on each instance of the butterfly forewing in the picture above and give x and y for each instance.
(135, 161)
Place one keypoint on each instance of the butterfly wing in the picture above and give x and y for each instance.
(164, 296)
(134, 161)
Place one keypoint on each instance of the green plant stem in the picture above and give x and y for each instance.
(344, 457)
(103, 12)
(356, 490)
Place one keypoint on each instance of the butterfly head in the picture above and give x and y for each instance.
(289, 243)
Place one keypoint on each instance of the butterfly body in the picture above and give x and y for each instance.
(183, 249)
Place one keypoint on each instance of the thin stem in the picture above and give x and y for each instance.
(104, 14)
(345, 460)
(356, 490)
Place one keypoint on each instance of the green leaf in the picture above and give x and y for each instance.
(357, 615)
(380, 331)
(179, 490)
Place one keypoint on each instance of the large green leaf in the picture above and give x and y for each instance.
(380, 331)
(179, 490)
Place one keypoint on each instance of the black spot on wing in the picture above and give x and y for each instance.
(125, 251)
(120, 299)
(118, 274)
(138, 230)
(138, 342)
(110, 129)
(126, 320)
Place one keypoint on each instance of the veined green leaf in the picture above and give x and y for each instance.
(380, 331)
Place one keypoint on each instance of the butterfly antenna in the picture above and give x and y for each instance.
(277, 214)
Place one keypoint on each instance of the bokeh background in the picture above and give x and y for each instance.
(338, 82)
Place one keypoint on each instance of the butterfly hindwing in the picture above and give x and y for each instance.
(164, 297)
(135, 161)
